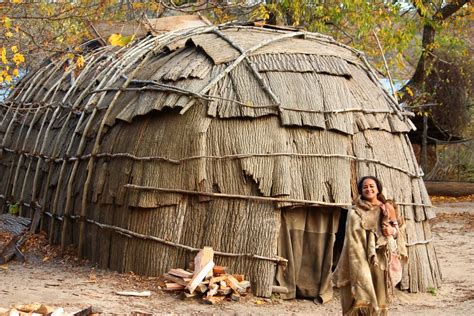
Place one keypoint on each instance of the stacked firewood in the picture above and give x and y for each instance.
(12, 231)
(209, 281)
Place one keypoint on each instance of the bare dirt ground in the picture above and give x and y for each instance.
(73, 285)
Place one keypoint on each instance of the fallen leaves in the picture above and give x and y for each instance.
(451, 199)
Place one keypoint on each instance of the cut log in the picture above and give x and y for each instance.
(199, 276)
(181, 273)
(203, 257)
(279, 289)
(245, 284)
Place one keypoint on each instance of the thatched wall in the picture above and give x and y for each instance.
(266, 119)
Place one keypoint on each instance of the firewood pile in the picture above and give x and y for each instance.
(210, 282)
(12, 231)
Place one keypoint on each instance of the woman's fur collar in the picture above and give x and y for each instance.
(369, 213)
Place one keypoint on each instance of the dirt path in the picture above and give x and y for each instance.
(73, 286)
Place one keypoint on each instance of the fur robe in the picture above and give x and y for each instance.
(363, 271)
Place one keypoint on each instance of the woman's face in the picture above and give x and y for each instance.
(369, 190)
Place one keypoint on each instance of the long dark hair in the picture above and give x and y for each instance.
(378, 183)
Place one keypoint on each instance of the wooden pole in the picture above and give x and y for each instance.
(424, 144)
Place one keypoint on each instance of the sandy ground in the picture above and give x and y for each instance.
(73, 285)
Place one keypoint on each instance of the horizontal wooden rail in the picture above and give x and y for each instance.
(234, 156)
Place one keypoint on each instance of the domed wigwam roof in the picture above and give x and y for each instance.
(142, 136)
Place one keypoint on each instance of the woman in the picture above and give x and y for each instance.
(374, 249)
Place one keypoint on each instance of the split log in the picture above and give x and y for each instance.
(203, 257)
(175, 279)
(201, 288)
(181, 273)
(245, 284)
(218, 279)
(212, 290)
(199, 275)
(234, 284)
(224, 291)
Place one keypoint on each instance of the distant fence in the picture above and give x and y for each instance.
(453, 162)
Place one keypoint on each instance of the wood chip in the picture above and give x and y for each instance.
(139, 294)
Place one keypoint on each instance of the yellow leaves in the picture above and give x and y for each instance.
(137, 5)
(154, 6)
(119, 40)
(80, 61)
(260, 12)
(5, 76)
(18, 58)
(16, 72)
(7, 22)
(17, 1)
(409, 91)
(3, 57)
(9, 34)
(14, 49)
